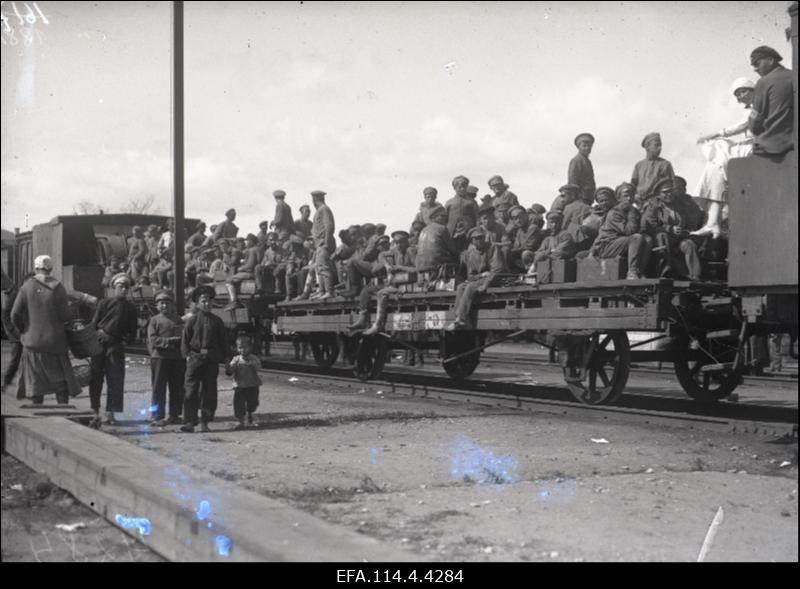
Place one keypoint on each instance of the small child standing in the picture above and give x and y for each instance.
(244, 369)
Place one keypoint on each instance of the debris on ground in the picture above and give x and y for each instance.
(71, 527)
(599, 440)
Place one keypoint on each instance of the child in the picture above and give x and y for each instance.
(244, 368)
(204, 345)
(167, 366)
(116, 321)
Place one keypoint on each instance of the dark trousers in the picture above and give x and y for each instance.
(167, 371)
(245, 400)
(13, 363)
(110, 363)
(201, 389)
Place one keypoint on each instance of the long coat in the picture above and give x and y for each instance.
(39, 313)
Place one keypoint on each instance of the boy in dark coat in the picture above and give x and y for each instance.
(167, 366)
(204, 345)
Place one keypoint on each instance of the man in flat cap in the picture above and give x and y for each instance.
(325, 244)
(429, 193)
(462, 212)
(297, 258)
(558, 245)
(487, 222)
(167, 366)
(436, 247)
(619, 234)
(772, 115)
(204, 344)
(283, 220)
(303, 225)
(226, 229)
(665, 228)
(574, 215)
(647, 172)
(566, 194)
(484, 263)
(580, 170)
(527, 240)
(116, 321)
(502, 195)
(271, 271)
(246, 271)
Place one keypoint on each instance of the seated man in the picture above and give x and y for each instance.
(528, 238)
(363, 261)
(486, 221)
(619, 234)
(398, 262)
(484, 263)
(270, 273)
(558, 245)
(296, 266)
(566, 194)
(246, 271)
(436, 248)
(665, 228)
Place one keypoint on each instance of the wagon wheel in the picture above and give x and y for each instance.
(705, 368)
(370, 357)
(325, 349)
(607, 361)
(457, 343)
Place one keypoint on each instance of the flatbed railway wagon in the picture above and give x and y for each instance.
(587, 323)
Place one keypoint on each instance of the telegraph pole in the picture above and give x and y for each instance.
(177, 153)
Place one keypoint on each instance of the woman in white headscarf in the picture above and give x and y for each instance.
(718, 148)
(40, 313)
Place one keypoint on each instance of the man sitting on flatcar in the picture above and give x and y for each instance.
(484, 263)
(528, 238)
(558, 245)
(619, 234)
(245, 272)
(665, 225)
(436, 249)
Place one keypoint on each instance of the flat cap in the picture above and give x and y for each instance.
(515, 208)
(538, 209)
(650, 137)
(400, 233)
(164, 295)
(554, 213)
(764, 51)
(570, 188)
(476, 232)
(472, 189)
(460, 179)
(483, 211)
(305, 207)
(429, 190)
(496, 180)
(368, 228)
(663, 183)
(202, 290)
(251, 237)
(606, 189)
(137, 228)
(380, 226)
(121, 277)
(229, 211)
(318, 193)
(581, 136)
(384, 238)
(278, 193)
(263, 225)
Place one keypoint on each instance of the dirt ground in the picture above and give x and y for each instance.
(32, 508)
(459, 482)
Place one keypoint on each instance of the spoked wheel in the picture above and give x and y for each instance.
(370, 357)
(705, 367)
(455, 343)
(598, 367)
(325, 348)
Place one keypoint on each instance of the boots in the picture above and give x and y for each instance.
(232, 294)
(362, 322)
(377, 327)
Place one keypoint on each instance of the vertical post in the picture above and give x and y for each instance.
(177, 152)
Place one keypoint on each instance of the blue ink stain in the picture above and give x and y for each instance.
(203, 510)
(544, 494)
(209, 524)
(151, 409)
(374, 452)
(470, 460)
(224, 545)
(187, 542)
(142, 523)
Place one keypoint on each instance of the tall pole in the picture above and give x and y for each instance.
(177, 152)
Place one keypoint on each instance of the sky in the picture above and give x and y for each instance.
(370, 102)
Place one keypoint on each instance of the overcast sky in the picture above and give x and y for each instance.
(369, 102)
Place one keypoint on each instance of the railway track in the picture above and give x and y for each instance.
(636, 405)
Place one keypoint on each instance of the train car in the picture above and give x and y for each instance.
(705, 325)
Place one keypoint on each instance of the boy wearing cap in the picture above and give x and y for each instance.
(429, 194)
(566, 195)
(303, 225)
(652, 169)
(619, 234)
(167, 366)
(226, 229)
(559, 245)
(528, 238)
(487, 222)
(245, 272)
(116, 321)
(204, 345)
(244, 368)
(502, 195)
(580, 171)
(462, 212)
